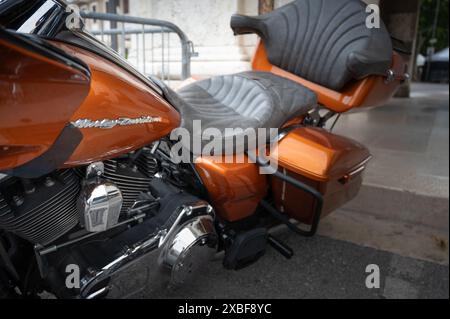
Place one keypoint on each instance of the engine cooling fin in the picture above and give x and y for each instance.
(147, 163)
(44, 214)
(129, 179)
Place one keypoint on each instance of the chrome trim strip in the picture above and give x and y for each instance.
(356, 171)
(360, 167)
(98, 293)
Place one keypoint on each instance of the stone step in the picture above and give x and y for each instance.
(395, 236)
(394, 220)
(402, 205)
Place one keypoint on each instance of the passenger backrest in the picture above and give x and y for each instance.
(323, 41)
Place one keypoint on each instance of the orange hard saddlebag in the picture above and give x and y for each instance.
(328, 164)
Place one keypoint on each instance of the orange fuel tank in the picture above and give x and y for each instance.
(39, 92)
(47, 89)
(116, 94)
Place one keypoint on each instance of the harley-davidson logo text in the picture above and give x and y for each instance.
(107, 123)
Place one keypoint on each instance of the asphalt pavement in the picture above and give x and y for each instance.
(321, 268)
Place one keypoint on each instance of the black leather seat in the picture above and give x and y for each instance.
(249, 99)
(324, 41)
(244, 100)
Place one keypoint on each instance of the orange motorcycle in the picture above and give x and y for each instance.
(92, 192)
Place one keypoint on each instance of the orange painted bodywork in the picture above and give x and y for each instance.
(318, 155)
(234, 189)
(329, 163)
(368, 92)
(115, 93)
(38, 96)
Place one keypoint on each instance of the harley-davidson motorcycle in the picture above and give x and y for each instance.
(89, 177)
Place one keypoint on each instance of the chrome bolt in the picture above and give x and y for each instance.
(30, 190)
(162, 233)
(91, 271)
(18, 200)
(49, 181)
(390, 76)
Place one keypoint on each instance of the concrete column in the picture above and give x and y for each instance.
(401, 18)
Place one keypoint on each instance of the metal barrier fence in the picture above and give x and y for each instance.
(147, 45)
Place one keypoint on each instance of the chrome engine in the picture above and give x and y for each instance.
(43, 210)
(121, 222)
(100, 201)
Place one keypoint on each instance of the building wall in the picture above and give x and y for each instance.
(206, 23)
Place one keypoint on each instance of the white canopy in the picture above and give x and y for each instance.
(441, 56)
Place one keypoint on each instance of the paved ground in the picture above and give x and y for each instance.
(321, 268)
